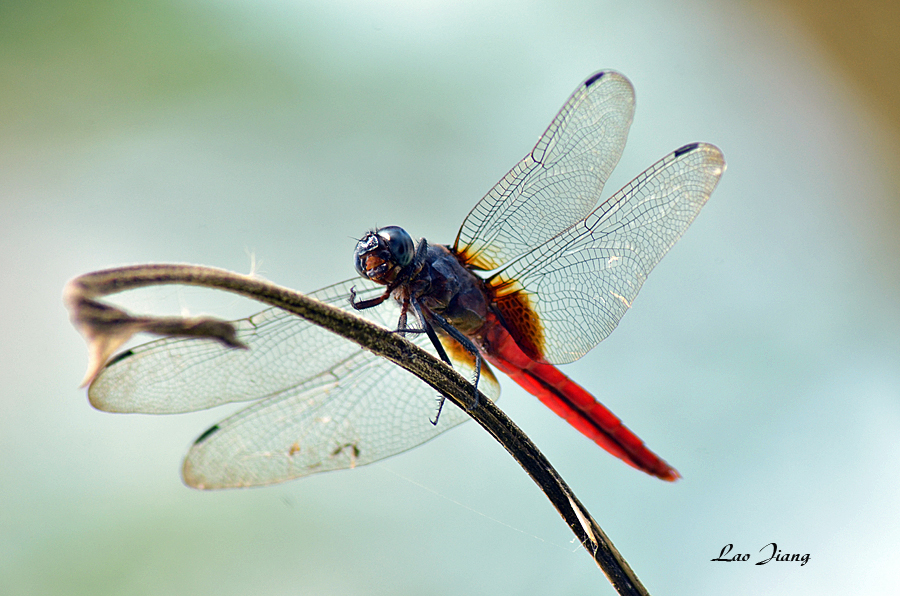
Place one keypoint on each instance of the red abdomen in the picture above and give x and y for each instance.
(572, 402)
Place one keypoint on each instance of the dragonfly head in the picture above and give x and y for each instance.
(382, 254)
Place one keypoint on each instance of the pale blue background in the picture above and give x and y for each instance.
(761, 358)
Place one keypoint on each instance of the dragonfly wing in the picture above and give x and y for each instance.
(558, 182)
(322, 402)
(173, 375)
(362, 411)
(580, 283)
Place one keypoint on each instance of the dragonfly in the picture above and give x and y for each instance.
(538, 275)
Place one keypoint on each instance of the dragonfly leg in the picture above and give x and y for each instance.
(401, 322)
(465, 342)
(364, 304)
(442, 354)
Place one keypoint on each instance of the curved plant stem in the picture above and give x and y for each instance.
(106, 328)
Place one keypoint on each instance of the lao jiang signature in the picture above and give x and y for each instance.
(770, 549)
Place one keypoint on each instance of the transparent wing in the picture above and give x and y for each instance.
(559, 182)
(322, 402)
(174, 375)
(362, 411)
(581, 282)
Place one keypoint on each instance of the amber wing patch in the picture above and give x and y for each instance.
(474, 259)
(519, 317)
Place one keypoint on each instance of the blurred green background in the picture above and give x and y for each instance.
(761, 358)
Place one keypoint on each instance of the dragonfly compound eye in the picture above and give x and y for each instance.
(399, 243)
